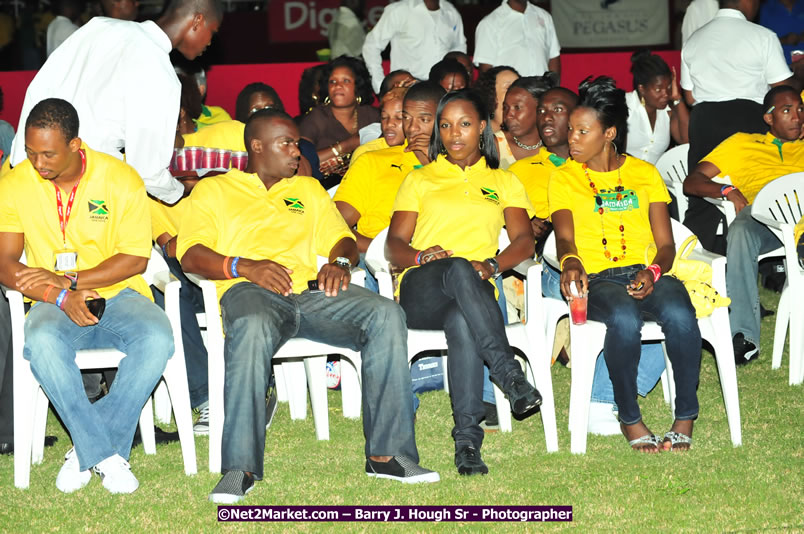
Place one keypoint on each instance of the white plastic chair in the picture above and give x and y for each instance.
(672, 165)
(296, 355)
(587, 343)
(31, 403)
(528, 337)
(779, 206)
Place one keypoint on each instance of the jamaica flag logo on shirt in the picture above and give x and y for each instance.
(490, 195)
(98, 211)
(294, 204)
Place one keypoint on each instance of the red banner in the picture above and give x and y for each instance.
(293, 21)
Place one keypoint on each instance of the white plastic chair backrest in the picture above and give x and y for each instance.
(375, 254)
(781, 200)
(672, 165)
(332, 190)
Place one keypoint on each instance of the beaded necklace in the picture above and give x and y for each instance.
(599, 201)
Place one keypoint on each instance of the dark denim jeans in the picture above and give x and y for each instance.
(191, 302)
(448, 294)
(670, 306)
(258, 322)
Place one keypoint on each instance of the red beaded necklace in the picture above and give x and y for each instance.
(599, 201)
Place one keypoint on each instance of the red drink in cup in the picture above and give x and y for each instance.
(180, 160)
(193, 156)
(578, 309)
(209, 159)
(224, 156)
(240, 160)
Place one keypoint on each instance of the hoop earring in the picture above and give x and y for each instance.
(481, 144)
(326, 100)
(614, 146)
(359, 99)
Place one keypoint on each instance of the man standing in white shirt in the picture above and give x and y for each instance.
(64, 25)
(520, 35)
(698, 13)
(118, 76)
(727, 66)
(420, 33)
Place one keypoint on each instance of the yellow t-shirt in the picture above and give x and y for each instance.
(211, 115)
(798, 230)
(371, 183)
(569, 189)
(165, 218)
(460, 209)
(109, 216)
(753, 160)
(534, 173)
(227, 135)
(292, 223)
(377, 144)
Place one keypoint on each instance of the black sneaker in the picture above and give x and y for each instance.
(520, 393)
(271, 404)
(232, 487)
(491, 423)
(468, 461)
(744, 350)
(400, 468)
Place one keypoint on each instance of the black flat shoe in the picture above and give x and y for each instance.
(8, 448)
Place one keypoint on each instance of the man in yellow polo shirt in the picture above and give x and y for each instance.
(257, 234)
(751, 161)
(82, 218)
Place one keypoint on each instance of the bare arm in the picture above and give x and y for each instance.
(699, 183)
(521, 248)
(397, 246)
(351, 216)
(331, 277)
(554, 65)
(642, 285)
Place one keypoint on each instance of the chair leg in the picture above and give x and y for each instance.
(503, 409)
(162, 408)
(176, 383)
(350, 387)
(780, 331)
(39, 426)
(25, 394)
(216, 411)
(279, 379)
(296, 387)
(796, 348)
(724, 355)
(315, 368)
(586, 342)
(443, 366)
(543, 381)
(147, 427)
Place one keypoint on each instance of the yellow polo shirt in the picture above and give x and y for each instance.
(569, 189)
(227, 135)
(377, 144)
(798, 230)
(753, 160)
(109, 216)
(460, 209)
(166, 218)
(371, 183)
(292, 223)
(534, 173)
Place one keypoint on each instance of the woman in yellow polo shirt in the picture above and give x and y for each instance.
(606, 208)
(444, 231)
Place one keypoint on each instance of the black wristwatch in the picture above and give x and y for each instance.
(343, 262)
(72, 276)
(495, 266)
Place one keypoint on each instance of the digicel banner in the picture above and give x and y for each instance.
(307, 20)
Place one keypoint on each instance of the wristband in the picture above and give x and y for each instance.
(656, 271)
(726, 189)
(334, 151)
(419, 258)
(48, 289)
(565, 257)
(226, 271)
(233, 267)
(62, 298)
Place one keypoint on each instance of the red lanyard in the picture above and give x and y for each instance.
(64, 217)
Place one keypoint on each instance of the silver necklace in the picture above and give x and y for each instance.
(526, 147)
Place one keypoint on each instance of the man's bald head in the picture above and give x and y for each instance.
(272, 142)
(190, 25)
(261, 121)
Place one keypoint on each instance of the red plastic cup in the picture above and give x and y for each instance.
(578, 309)
(180, 160)
(224, 157)
(209, 159)
(193, 156)
(240, 160)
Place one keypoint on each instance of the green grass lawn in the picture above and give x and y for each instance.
(758, 487)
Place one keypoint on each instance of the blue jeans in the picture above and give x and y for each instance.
(371, 282)
(131, 324)
(669, 305)
(747, 239)
(258, 322)
(447, 294)
(191, 302)
(651, 360)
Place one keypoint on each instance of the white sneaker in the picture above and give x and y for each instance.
(116, 475)
(201, 426)
(602, 420)
(70, 477)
